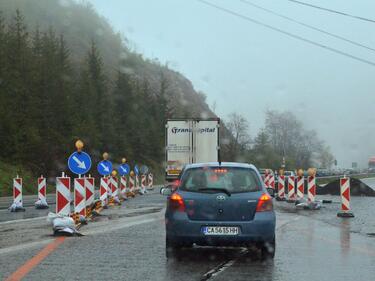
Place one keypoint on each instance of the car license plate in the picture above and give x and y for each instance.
(220, 230)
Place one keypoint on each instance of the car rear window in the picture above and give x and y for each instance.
(233, 179)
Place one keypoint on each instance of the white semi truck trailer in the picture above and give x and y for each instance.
(190, 141)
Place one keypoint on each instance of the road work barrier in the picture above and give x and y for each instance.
(115, 190)
(131, 184)
(291, 191)
(281, 188)
(41, 203)
(311, 189)
(123, 185)
(137, 186)
(143, 184)
(90, 194)
(79, 196)
(17, 191)
(266, 179)
(103, 191)
(271, 181)
(300, 187)
(345, 198)
(63, 195)
(150, 181)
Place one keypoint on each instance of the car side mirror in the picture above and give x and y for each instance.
(271, 192)
(166, 191)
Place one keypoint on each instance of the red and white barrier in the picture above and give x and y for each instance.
(311, 189)
(271, 181)
(137, 187)
(123, 185)
(281, 187)
(79, 196)
(90, 191)
(42, 189)
(63, 196)
(266, 179)
(131, 184)
(114, 186)
(150, 181)
(143, 183)
(291, 191)
(17, 191)
(300, 187)
(103, 191)
(345, 198)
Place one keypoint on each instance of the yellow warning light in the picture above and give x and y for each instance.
(131, 173)
(79, 145)
(311, 172)
(300, 172)
(114, 173)
(123, 160)
(105, 156)
(281, 172)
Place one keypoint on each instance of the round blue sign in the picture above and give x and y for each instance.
(79, 163)
(124, 169)
(136, 170)
(105, 167)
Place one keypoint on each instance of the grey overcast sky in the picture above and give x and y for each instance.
(247, 68)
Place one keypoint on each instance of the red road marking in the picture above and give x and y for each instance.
(23, 270)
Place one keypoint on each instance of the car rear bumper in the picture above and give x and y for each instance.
(180, 229)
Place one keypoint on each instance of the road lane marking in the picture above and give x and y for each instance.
(23, 270)
(225, 265)
(23, 220)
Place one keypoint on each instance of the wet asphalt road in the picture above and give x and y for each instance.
(128, 243)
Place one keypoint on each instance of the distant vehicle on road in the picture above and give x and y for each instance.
(371, 165)
(220, 205)
(190, 141)
(289, 173)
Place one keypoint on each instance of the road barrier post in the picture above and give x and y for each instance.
(90, 193)
(114, 186)
(345, 198)
(137, 183)
(42, 189)
(103, 191)
(150, 181)
(63, 195)
(311, 189)
(291, 191)
(79, 196)
(300, 187)
(17, 191)
(266, 179)
(123, 186)
(143, 183)
(281, 188)
(271, 181)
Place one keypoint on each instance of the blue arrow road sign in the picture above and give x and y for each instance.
(123, 169)
(136, 170)
(105, 167)
(79, 163)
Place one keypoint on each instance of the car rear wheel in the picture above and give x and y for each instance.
(268, 249)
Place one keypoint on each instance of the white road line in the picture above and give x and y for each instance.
(137, 220)
(223, 266)
(23, 220)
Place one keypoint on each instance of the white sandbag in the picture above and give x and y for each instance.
(16, 207)
(41, 204)
(63, 222)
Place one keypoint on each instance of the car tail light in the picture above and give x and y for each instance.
(264, 203)
(176, 202)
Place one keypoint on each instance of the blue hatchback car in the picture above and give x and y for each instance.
(220, 204)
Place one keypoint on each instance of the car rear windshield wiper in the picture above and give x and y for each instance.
(216, 189)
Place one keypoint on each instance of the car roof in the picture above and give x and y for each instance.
(222, 164)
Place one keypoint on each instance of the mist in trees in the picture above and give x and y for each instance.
(283, 137)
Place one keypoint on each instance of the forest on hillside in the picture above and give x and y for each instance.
(57, 86)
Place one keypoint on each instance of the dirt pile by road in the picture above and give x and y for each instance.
(357, 188)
